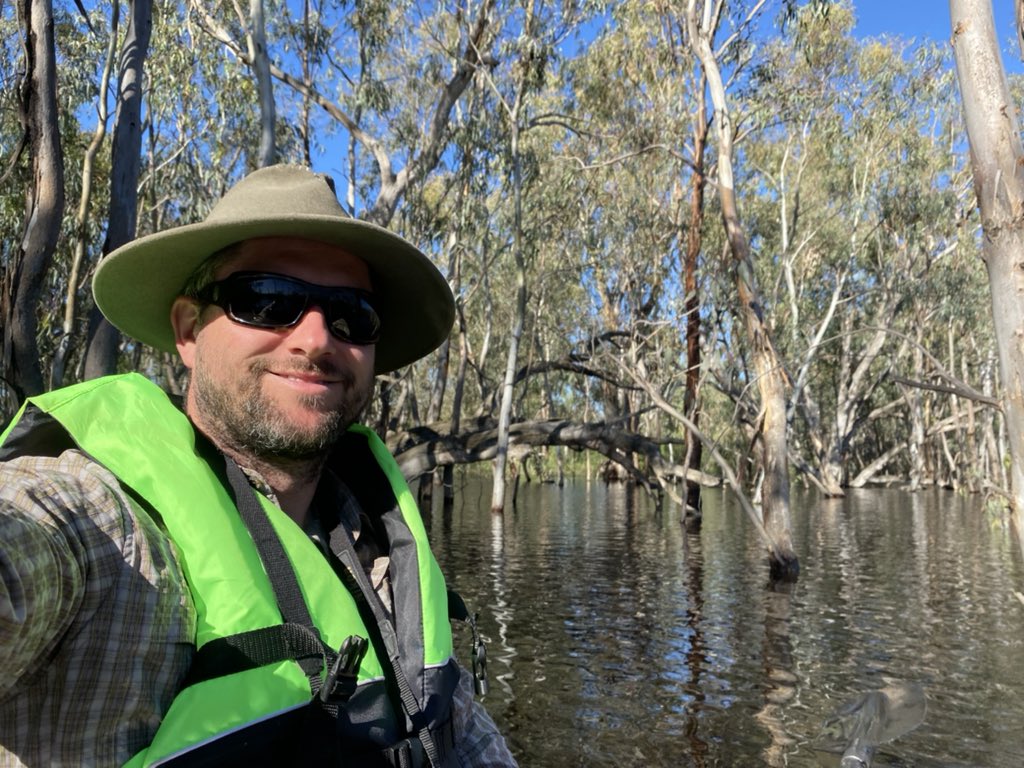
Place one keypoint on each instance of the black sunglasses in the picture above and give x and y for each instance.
(266, 300)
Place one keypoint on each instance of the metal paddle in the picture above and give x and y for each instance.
(861, 724)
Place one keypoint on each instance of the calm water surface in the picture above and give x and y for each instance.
(617, 639)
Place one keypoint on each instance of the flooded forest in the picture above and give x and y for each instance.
(692, 245)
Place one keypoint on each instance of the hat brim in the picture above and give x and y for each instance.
(136, 284)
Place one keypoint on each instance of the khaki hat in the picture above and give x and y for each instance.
(136, 285)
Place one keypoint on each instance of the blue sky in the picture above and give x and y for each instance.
(919, 19)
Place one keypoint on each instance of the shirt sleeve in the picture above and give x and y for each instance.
(44, 556)
(478, 743)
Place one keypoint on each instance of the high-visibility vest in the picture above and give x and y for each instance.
(131, 427)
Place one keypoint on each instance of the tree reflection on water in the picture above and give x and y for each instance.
(616, 638)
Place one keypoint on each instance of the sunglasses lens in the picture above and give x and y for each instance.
(266, 302)
(276, 301)
(352, 318)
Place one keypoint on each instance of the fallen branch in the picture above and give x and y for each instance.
(423, 449)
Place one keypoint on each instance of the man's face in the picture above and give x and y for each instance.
(285, 393)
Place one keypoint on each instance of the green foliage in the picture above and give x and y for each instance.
(852, 178)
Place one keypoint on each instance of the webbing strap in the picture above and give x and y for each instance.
(276, 563)
(224, 656)
(345, 563)
(295, 612)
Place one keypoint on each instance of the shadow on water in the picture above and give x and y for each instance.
(616, 638)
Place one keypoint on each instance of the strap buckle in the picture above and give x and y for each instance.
(407, 753)
(457, 610)
(340, 682)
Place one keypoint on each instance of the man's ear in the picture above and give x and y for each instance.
(185, 319)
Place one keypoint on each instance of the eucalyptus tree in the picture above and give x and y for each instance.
(701, 18)
(629, 119)
(404, 141)
(997, 159)
(83, 43)
(942, 336)
(628, 179)
(860, 196)
(27, 265)
(90, 179)
(257, 44)
(101, 358)
(692, 301)
(445, 212)
(532, 30)
(14, 179)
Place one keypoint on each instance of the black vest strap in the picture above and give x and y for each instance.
(346, 565)
(276, 563)
(275, 560)
(457, 611)
(298, 638)
(248, 650)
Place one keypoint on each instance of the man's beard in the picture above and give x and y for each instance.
(246, 421)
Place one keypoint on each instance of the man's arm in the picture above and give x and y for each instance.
(42, 563)
(478, 744)
(96, 623)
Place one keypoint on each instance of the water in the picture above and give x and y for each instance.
(617, 639)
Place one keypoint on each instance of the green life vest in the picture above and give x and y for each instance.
(129, 425)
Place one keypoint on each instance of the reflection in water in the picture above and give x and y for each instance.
(693, 559)
(621, 640)
(499, 608)
(780, 686)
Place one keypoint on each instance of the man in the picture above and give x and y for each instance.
(247, 581)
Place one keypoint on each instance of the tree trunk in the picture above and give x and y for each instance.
(694, 447)
(58, 367)
(770, 380)
(915, 443)
(997, 160)
(508, 385)
(455, 273)
(264, 84)
(45, 204)
(101, 358)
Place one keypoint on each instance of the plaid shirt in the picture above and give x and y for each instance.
(97, 623)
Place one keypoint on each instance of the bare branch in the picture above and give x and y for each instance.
(968, 392)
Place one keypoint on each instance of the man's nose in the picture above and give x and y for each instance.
(311, 335)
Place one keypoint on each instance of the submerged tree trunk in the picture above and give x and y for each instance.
(514, 112)
(507, 389)
(770, 378)
(997, 160)
(694, 447)
(45, 203)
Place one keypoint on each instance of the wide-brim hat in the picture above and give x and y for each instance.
(136, 284)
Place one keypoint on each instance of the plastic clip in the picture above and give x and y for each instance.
(343, 671)
(479, 661)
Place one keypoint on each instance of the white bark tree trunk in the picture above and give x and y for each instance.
(770, 376)
(997, 160)
(264, 83)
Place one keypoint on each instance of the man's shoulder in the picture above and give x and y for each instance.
(45, 423)
(68, 487)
